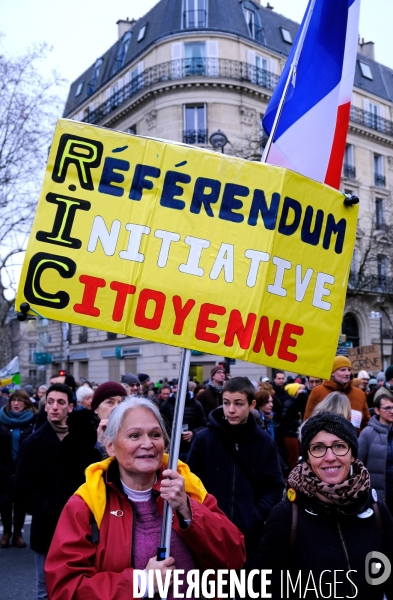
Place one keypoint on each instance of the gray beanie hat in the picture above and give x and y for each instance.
(332, 423)
(130, 379)
(381, 376)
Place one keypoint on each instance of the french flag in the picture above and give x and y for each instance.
(312, 128)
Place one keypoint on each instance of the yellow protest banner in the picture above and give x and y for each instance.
(190, 248)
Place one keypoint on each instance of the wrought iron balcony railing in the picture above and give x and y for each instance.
(195, 136)
(216, 68)
(373, 284)
(349, 171)
(194, 19)
(379, 180)
(369, 119)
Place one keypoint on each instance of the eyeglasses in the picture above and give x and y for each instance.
(388, 408)
(319, 450)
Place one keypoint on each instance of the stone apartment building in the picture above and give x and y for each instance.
(190, 69)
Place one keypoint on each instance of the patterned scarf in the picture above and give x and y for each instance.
(304, 480)
(218, 388)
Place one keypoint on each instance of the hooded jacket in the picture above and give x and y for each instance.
(373, 447)
(239, 465)
(78, 569)
(356, 397)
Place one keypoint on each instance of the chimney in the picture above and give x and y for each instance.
(366, 48)
(123, 26)
(269, 7)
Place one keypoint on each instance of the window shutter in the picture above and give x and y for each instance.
(177, 55)
(212, 58)
(251, 68)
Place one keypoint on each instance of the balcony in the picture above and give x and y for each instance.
(194, 19)
(369, 119)
(195, 136)
(379, 180)
(349, 171)
(174, 70)
(372, 284)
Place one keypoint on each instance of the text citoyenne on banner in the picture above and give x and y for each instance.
(190, 248)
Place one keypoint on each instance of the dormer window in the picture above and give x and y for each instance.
(365, 69)
(194, 14)
(79, 89)
(122, 52)
(251, 16)
(94, 77)
(286, 35)
(142, 32)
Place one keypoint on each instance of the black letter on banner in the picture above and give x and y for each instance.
(334, 228)
(84, 153)
(64, 220)
(230, 202)
(308, 236)
(200, 197)
(259, 205)
(290, 228)
(170, 189)
(140, 183)
(39, 263)
(110, 176)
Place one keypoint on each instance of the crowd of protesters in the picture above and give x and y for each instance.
(247, 442)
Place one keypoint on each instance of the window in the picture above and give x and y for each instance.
(111, 336)
(32, 375)
(350, 328)
(32, 351)
(83, 335)
(286, 35)
(262, 67)
(349, 166)
(194, 14)
(382, 266)
(379, 214)
(122, 52)
(79, 88)
(195, 131)
(132, 130)
(250, 20)
(141, 33)
(365, 69)
(94, 77)
(136, 78)
(379, 177)
(194, 63)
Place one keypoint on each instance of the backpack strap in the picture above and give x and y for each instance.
(295, 515)
(378, 517)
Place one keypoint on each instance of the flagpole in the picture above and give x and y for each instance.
(165, 542)
(291, 76)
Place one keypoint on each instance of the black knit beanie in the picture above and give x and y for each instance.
(332, 423)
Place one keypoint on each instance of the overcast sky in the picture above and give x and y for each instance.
(82, 30)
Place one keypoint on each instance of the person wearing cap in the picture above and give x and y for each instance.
(340, 381)
(386, 389)
(373, 387)
(145, 382)
(365, 377)
(106, 397)
(211, 397)
(330, 521)
(131, 384)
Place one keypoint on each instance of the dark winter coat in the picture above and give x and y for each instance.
(239, 465)
(210, 399)
(325, 541)
(373, 450)
(7, 465)
(292, 414)
(194, 416)
(49, 471)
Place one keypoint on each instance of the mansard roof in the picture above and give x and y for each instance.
(224, 16)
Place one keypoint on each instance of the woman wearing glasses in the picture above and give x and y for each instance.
(317, 540)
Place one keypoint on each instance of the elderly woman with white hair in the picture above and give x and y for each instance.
(123, 498)
(84, 396)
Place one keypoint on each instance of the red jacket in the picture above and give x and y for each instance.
(77, 569)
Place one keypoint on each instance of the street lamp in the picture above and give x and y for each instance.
(218, 139)
(377, 315)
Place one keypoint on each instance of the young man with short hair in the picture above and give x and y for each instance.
(51, 465)
(238, 463)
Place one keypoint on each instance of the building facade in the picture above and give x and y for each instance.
(192, 68)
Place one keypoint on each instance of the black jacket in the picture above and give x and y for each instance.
(329, 541)
(48, 472)
(193, 416)
(210, 399)
(239, 465)
(7, 465)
